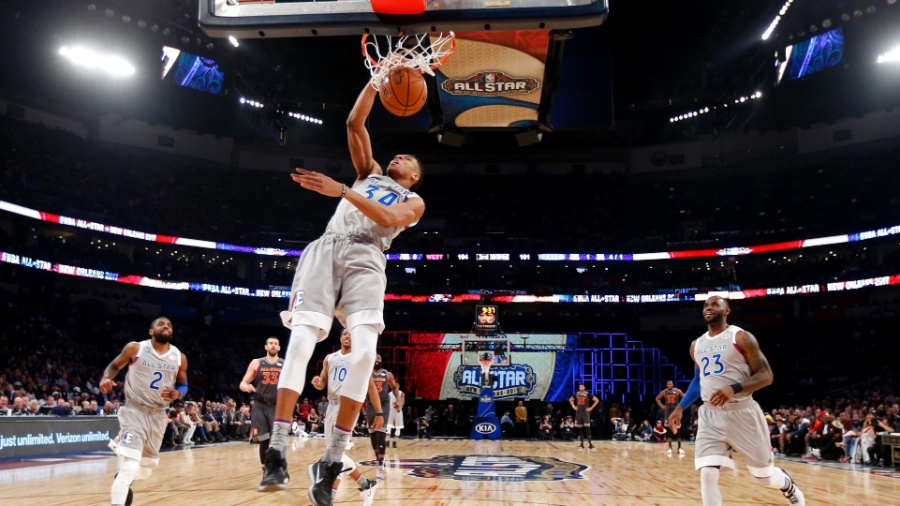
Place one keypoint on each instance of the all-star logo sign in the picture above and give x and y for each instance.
(513, 381)
(490, 468)
(488, 84)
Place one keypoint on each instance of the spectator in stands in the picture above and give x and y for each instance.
(567, 429)
(422, 427)
(322, 406)
(34, 407)
(867, 439)
(778, 431)
(659, 432)
(62, 408)
(522, 420)
(645, 431)
(506, 424)
(20, 407)
(4, 406)
(545, 429)
(185, 426)
(313, 419)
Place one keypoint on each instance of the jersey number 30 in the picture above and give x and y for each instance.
(718, 365)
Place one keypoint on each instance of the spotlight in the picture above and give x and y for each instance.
(167, 30)
(234, 41)
(826, 23)
(92, 8)
(141, 23)
(109, 13)
(154, 28)
(126, 19)
(210, 45)
(185, 39)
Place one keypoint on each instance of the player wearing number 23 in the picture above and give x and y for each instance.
(729, 367)
(157, 376)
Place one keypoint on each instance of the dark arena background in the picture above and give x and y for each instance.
(747, 149)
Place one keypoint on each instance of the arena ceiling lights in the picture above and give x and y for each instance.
(892, 56)
(88, 58)
(774, 23)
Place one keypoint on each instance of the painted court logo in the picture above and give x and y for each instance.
(488, 84)
(491, 468)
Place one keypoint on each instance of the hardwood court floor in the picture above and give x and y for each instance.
(616, 473)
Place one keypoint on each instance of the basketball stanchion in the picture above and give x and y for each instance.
(486, 424)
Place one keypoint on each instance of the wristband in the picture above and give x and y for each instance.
(380, 414)
(182, 388)
(343, 189)
(737, 387)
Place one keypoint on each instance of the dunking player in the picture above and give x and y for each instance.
(334, 372)
(263, 373)
(395, 419)
(671, 395)
(579, 403)
(347, 260)
(384, 384)
(157, 376)
(729, 367)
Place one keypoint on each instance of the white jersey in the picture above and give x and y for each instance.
(720, 361)
(149, 373)
(348, 219)
(337, 373)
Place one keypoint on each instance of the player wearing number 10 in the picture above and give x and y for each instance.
(346, 262)
(157, 376)
(263, 373)
(729, 368)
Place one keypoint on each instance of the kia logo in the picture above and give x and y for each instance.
(485, 428)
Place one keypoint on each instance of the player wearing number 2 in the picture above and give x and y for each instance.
(263, 373)
(157, 376)
(729, 368)
(347, 262)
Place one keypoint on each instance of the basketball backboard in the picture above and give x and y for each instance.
(292, 18)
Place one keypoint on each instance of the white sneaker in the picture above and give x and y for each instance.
(669, 452)
(793, 494)
(349, 445)
(379, 474)
(681, 452)
(368, 494)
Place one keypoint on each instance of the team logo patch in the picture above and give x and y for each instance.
(490, 468)
(127, 437)
(298, 299)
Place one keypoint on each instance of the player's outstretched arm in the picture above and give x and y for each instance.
(245, 385)
(358, 136)
(396, 215)
(108, 381)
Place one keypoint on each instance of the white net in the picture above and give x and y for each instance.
(423, 52)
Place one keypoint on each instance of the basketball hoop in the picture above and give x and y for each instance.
(423, 52)
(485, 369)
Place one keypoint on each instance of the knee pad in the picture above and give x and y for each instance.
(348, 464)
(364, 341)
(770, 476)
(129, 470)
(296, 358)
(381, 437)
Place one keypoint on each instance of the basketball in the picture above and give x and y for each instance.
(403, 92)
